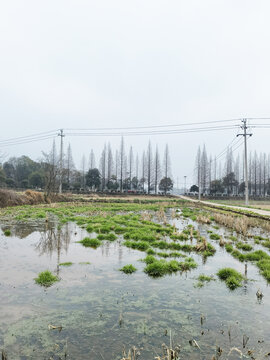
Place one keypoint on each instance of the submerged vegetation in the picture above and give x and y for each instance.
(46, 278)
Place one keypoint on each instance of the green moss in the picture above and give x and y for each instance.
(46, 278)
(66, 264)
(88, 242)
(128, 269)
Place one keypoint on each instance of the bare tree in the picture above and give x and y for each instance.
(157, 170)
(102, 167)
(149, 164)
(130, 165)
(92, 161)
(109, 163)
(83, 172)
(51, 170)
(122, 163)
(69, 165)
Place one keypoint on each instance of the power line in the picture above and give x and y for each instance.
(155, 126)
(29, 136)
(158, 132)
(27, 141)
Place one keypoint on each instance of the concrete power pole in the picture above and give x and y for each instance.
(244, 127)
(185, 189)
(61, 134)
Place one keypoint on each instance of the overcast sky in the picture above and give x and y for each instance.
(73, 64)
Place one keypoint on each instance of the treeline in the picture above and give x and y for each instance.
(118, 170)
(226, 176)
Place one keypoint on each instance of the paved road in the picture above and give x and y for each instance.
(254, 210)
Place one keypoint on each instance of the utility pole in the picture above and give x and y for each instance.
(185, 189)
(244, 127)
(61, 134)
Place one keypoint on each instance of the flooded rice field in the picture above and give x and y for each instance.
(173, 297)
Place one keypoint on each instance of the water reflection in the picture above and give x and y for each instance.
(54, 240)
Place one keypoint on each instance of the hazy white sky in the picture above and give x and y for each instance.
(133, 63)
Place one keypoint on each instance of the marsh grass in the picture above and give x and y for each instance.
(231, 277)
(244, 246)
(46, 278)
(88, 242)
(128, 269)
(68, 263)
(159, 268)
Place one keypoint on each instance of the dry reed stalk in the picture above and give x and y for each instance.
(201, 244)
(203, 219)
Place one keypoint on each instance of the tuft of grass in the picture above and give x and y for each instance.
(232, 278)
(87, 242)
(157, 269)
(7, 232)
(202, 280)
(214, 236)
(264, 266)
(150, 252)
(110, 237)
(128, 269)
(205, 278)
(244, 246)
(46, 278)
(149, 259)
(138, 245)
(85, 263)
(68, 263)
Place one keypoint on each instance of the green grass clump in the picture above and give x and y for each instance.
(90, 228)
(110, 237)
(149, 259)
(232, 278)
(181, 237)
(244, 246)
(85, 263)
(138, 245)
(7, 232)
(68, 263)
(214, 236)
(88, 242)
(163, 254)
(202, 280)
(229, 248)
(188, 264)
(46, 278)
(157, 269)
(264, 266)
(150, 252)
(233, 238)
(128, 269)
(205, 278)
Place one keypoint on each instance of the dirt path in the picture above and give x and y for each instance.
(254, 210)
